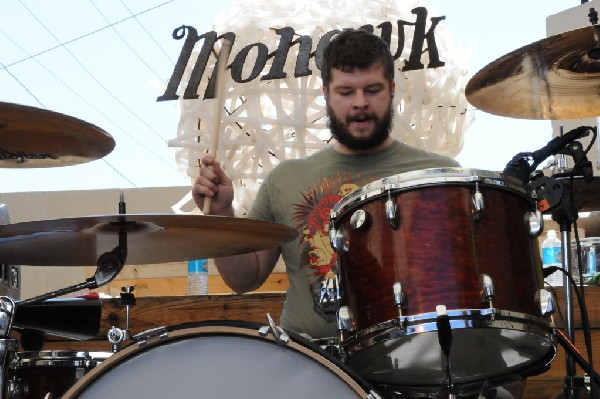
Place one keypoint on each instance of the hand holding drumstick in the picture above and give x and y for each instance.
(210, 161)
(213, 184)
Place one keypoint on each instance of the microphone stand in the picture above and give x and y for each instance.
(549, 193)
(566, 215)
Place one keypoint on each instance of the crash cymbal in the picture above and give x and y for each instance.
(554, 78)
(37, 138)
(150, 238)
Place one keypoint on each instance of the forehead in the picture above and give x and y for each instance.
(358, 77)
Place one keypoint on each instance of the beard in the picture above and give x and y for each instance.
(381, 130)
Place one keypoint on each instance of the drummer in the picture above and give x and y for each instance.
(358, 86)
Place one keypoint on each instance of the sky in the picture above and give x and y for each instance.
(106, 62)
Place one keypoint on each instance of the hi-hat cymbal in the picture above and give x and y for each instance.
(554, 78)
(150, 239)
(37, 138)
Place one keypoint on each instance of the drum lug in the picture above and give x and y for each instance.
(391, 211)
(546, 301)
(338, 243)
(330, 295)
(399, 298)
(345, 320)
(373, 395)
(487, 289)
(478, 204)
(142, 338)
(281, 337)
(535, 223)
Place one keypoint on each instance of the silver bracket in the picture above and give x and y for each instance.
(478, 204)
(142, 338)
(391, 213)
(330, 295)
(281, 337)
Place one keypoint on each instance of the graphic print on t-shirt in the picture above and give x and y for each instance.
(312, 221)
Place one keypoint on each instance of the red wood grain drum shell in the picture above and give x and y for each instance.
(438, 251)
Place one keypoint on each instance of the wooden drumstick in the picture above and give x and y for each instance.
(221, 64)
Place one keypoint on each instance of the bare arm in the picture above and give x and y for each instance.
(242, 273)
(247, 272)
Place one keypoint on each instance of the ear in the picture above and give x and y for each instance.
(393, 88)
(325, 92)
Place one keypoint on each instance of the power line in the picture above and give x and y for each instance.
(76, 94)
(126, 43)
(148, 33)
(82, 36)
(92, 76)
(23, 86)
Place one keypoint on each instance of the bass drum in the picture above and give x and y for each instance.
(220, 360)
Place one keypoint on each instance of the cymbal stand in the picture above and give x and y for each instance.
(117, 335)
(108, 266)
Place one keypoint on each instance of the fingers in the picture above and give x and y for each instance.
(210, 182)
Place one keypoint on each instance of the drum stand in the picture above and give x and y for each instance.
(109, 265)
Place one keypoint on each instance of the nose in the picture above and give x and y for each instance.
(360, 100)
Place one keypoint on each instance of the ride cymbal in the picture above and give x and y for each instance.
(37, 138)
(554, 78)
(148, 239)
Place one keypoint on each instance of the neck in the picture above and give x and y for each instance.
(345, 150)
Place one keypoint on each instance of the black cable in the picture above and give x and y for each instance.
(592, 141)
(581, 298)
(584, 319)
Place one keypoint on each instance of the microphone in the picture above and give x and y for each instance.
(519, 166)
(555, 145)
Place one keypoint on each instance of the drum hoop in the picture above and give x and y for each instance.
(426, 322)
(212, 328)
(58, 358)
(426, 177)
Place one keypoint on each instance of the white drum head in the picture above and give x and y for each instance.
(218, 362)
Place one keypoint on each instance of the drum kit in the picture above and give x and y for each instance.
(438, 290)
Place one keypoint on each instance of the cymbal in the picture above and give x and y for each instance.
(37, 138)
(150, 238)
(554, 78)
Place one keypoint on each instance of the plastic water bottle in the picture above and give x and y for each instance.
(591, 269)
(551, 256)
(197, 277)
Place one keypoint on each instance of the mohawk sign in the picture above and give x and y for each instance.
(271, 106)
(287, 39)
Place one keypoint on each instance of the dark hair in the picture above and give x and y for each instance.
(356, 49)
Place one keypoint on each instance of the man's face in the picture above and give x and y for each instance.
(359, 105)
